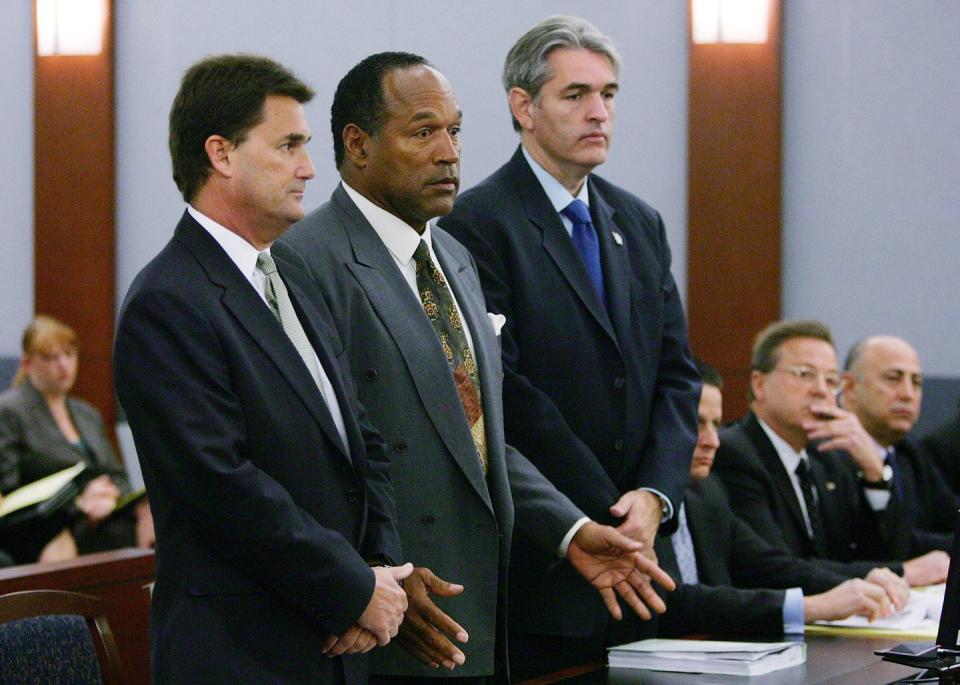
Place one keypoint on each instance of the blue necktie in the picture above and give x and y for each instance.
(585, 240)
(891, 459)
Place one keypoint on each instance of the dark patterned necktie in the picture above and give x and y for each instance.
(808, 488)
(585, 240)
(438, 304)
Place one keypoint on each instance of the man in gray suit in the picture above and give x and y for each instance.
(407, 302)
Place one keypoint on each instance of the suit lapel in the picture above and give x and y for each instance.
(556, 240)
(253, 315)
(402, 315)
(616, 262)
(782, 481)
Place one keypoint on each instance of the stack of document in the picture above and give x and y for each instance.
(708, 656)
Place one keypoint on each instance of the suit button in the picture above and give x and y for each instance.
(619, 382)
(370, 375)
(618, 445)
(400, 445)
(427, 519)
(353, 495)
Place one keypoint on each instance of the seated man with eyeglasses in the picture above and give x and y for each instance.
(800, 492)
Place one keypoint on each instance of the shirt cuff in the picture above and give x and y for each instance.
(663, 498)
(877, 499)
(793, 611)
(565, 543)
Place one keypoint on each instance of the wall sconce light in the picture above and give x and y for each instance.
(70, 27)
(730, 21)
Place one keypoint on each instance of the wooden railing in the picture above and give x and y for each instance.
(119, 579)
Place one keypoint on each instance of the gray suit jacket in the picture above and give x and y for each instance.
(31, 445)
(452, 520)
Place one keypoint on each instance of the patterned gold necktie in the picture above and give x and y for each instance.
(438, 304)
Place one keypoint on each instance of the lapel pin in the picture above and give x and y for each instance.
(617, 238)
(831, 486)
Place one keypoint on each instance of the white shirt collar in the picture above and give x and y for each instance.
(401, 240)
(789, 456)
(241, 253)
(559, 196)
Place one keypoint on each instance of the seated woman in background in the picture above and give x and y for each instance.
(43, 430)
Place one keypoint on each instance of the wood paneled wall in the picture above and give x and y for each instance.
(74, 235)
(733, 240)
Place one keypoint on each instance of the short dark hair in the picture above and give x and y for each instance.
(222, 95)
(708, 374)
(359, 98)
(766, 347)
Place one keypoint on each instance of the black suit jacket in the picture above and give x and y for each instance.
(736, 570)
(762, 494)
(925, 503)
(601, 401)
(943, 446)
(259, 511)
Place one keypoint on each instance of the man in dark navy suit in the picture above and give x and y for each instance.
(269, 488)
(600, 392)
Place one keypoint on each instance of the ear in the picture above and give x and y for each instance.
(521, 105)
(218, 151)
(757, 382)
(356, 145)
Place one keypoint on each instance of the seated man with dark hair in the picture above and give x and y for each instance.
(804, 489)
(713, 551)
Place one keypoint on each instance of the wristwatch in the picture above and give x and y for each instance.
(886, 479)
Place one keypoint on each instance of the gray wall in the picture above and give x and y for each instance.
(872, 171)
(156, 41)
(16, 173)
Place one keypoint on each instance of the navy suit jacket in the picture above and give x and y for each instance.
(263, 520)
(602, 401)
(762, 494)
(741, 576)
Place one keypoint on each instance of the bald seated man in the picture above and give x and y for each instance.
(883, 386)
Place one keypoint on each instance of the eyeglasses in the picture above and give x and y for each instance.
(809, 375)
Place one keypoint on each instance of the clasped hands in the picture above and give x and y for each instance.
(609, 560)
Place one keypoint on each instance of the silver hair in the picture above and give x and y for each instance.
(526, 65)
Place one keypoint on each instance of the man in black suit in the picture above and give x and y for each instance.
(600, 392)
(723, 564)
(402, 292)
(883, 386)
(809, 498)
(269, 488)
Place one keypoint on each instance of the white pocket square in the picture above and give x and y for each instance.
(497, 321)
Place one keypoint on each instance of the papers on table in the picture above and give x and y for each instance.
(920, 617)
(708, 656)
